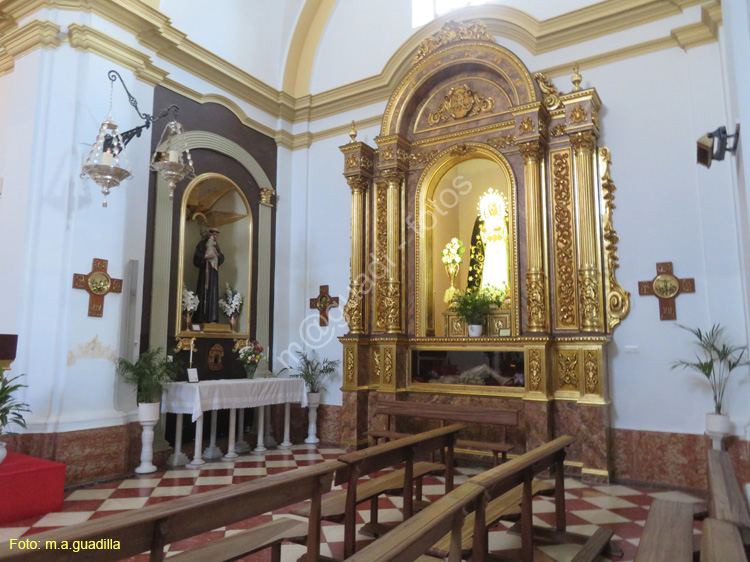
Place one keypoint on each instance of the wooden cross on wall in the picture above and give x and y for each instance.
(323, 303)
(97, 284)
(666, 287)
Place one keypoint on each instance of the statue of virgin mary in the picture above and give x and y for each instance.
(488, 266)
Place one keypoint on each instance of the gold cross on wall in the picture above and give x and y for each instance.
(666, 287)
(97, 284)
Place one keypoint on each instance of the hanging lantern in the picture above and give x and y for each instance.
(103, 163)
(172, 157)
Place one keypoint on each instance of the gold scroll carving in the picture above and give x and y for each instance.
(381, 257)
(376, 373)
(591, 370)
(453, 32)
(562, 209)
(526, 126)
(503, 141)
(617, 298)
(578, 115)
(551, 95)
(459, 103)
(388, 365)
(558, 130)
(535, 370)
(568, 373)
(350, 366)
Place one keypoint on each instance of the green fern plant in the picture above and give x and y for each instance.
(11, 409)
(472, 306)
(313, 370)
(716, 360)
(148, 374)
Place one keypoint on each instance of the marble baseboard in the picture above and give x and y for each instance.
(671, 459)
(89, 455)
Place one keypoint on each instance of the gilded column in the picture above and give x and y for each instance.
(589, 264)
(536, 279)
(389, 306)
(354, 308)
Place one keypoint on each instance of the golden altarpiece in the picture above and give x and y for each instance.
(469, 123)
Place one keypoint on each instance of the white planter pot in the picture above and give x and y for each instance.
(718, 426)
(148, 415)
(313, 401)
(3, 452)
(475, 330)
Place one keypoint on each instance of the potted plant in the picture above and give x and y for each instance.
(314, 372)
(148, 374)
(473, 307)
(11, 410)
(715, 361)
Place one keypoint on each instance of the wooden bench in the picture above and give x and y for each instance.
(410, 540)
(448, 413)
(668, 534)
(151, 528)
(380, 457)
(729, 524)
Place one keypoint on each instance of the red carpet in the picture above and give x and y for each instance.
(30, 486)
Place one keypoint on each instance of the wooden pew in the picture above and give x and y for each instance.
(150, 528)
(414, 537)
(447, 413)
(387, 455)
(721, 542)
(668, 534)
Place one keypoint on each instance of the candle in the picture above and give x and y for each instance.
(174, 156)
(191, 353)
(107, 158)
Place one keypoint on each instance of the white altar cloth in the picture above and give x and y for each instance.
(197, 397)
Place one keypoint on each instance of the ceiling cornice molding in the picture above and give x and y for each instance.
(154, 31)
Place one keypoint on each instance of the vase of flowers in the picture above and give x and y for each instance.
(250, 356)
(451, 257)
(231, 305)
(190, 303)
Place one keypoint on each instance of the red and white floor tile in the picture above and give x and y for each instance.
(622, 508)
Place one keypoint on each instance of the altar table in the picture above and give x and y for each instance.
(30, 487)
(197, 398)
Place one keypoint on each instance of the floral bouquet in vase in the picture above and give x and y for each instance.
(250, 356)
(190, 303)
(231, 305)
(451, 257)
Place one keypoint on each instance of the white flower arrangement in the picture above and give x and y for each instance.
(231, 305)
(190, 300)
(453, 252)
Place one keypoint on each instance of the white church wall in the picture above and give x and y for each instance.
(253, 35)
(61, 349)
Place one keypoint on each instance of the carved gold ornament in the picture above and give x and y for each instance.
(503, 141)
(376, 365)
(353, 309)
(535, 299)
(358, 183)
(381, 257)
(578, 115)
(388, 364)
(589, 285)
(350, 364)
(392, 306)
(184, 344)
(216, 358)
(617, 298)
(558, 130)
(551, 95)
(387, 153)
(591, 371)
(526, 126)
(239, 344)
(422, 157)
(585, 140)
(453, 32)
(266, 195)
(564, 241)
(535, 370)
(568, 364)
(531, 150)
(351, 161)
(459, 103)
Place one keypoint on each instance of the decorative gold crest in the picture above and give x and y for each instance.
(526, 126)
(551, 95)
(453, 32)
(578, 115)
(459, 103)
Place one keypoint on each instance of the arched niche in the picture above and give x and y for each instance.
(448, 193)
(213, 201)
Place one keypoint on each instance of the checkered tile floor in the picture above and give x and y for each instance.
(621, 508)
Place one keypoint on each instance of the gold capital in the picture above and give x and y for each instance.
(266, 194)
(585, 140)
(531, 150)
